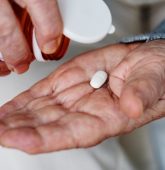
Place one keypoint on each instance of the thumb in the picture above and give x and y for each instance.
(138, 86)
(47, 22)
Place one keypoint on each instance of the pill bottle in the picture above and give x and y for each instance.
(84, 22)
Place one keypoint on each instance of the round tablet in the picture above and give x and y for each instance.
(98, 79)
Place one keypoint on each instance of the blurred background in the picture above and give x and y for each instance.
(145, 147)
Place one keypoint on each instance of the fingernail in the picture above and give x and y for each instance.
(50, 47)
(21, 68)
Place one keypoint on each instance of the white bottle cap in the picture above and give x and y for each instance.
(86, 21)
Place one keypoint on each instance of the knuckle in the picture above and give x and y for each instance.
(47, 32)
(50, 32)
(49, 25)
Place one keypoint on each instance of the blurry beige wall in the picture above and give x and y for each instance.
(136, 16)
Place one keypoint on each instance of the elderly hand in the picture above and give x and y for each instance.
(63, 111)
(13, 45)
(139, 81)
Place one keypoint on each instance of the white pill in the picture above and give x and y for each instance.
(98, 79)
(1, 57)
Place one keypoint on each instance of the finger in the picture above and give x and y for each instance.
(42, 88)
(69, 78)
(50, 113)
(20, 120)
(118, 77)
(138, 88)
(47, 21)
(3, 69)
(151, 114)
(20, 136)
(15, 104)
(30, 107)
(33, 119)
(54, 84)
(70, 96)
(73, 131)
(13, 45)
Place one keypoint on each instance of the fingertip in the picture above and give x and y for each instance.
(22, 65)
(21, 69)
(25, 139)
(131, 105)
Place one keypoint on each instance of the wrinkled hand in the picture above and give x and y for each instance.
(139, 80)
(63, 111)
(13, 45)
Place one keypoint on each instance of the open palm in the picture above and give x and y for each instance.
(63, 111)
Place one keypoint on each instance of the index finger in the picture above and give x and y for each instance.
(47, 21)
(40, 89)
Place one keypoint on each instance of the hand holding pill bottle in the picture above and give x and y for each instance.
(81, 21)
(15, 50)
(62, 41)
